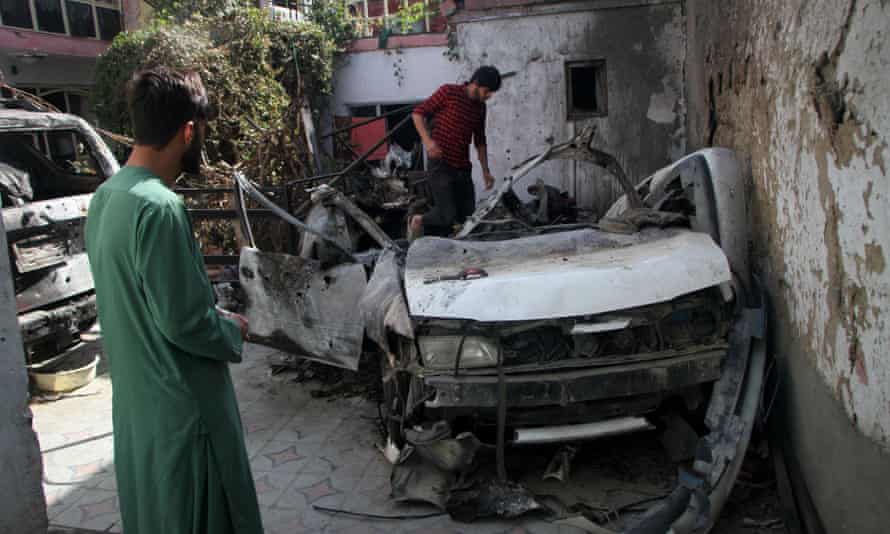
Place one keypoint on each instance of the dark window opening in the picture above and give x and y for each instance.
(406, 136)
(49, 16)
(586, 89)
(76, 104)
(364, 112)
(58, 100)
(80, 19)
(109, 23)
(16, 13)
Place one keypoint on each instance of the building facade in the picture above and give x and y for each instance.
(49, 47)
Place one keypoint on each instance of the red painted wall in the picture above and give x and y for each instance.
(15, 39)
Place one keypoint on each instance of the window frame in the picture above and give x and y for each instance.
(43, 91)
(115, 5)
(600, 86)
(378, 106)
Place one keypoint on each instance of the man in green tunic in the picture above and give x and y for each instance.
(180, 458)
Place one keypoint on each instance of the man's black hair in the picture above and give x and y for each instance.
(161, 100)
(487, 76)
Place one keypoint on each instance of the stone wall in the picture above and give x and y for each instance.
(800, 89)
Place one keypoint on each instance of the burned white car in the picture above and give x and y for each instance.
(515, 332)
(50, 163)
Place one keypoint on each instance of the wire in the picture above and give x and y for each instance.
(76, 443)
(376, 516)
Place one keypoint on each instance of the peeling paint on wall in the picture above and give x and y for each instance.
(817, 157)
(799, 88)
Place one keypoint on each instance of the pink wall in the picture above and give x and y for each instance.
(15, 39)
(19, 39)
(471, 5)
(400, 41)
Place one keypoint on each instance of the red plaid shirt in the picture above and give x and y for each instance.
(456, 120)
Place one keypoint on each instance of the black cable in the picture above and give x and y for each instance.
(502, 416)
(76, 443)
(460, 351)
(376, 516)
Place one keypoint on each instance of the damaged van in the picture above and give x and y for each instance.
(50, 164)
(519, 331)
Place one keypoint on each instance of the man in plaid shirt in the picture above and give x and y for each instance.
(457, 113)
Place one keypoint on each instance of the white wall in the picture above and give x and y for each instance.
(368, 77)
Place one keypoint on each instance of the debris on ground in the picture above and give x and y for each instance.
(329, 382)
(433, 464)
(582, 523)
(762, 523)
(679, 438)
(492, 498)
(561, 464)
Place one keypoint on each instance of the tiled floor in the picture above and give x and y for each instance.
(305, 452)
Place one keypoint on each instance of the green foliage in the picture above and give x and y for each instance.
(250, 64)
(408, 15)
(180, 10)
(331, 16)
(256, 69)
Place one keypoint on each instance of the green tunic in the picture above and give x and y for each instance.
(179, 451)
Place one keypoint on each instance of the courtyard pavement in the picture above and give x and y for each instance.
(304, 452)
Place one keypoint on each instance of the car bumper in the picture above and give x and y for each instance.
(564, 387)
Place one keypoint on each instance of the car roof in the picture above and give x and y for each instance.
(20, 119)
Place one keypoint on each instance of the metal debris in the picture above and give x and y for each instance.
(561, 464)
(432, 464)
(492, 498)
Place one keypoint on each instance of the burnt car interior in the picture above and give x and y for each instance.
(53, 164)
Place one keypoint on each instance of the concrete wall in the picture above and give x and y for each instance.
(22, 506)
(800, 89)
(644, 47)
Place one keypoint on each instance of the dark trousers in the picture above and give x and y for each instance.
(453, 198)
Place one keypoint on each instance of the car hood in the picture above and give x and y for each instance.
(566, 274)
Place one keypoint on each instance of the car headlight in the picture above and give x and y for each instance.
(440, 352)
